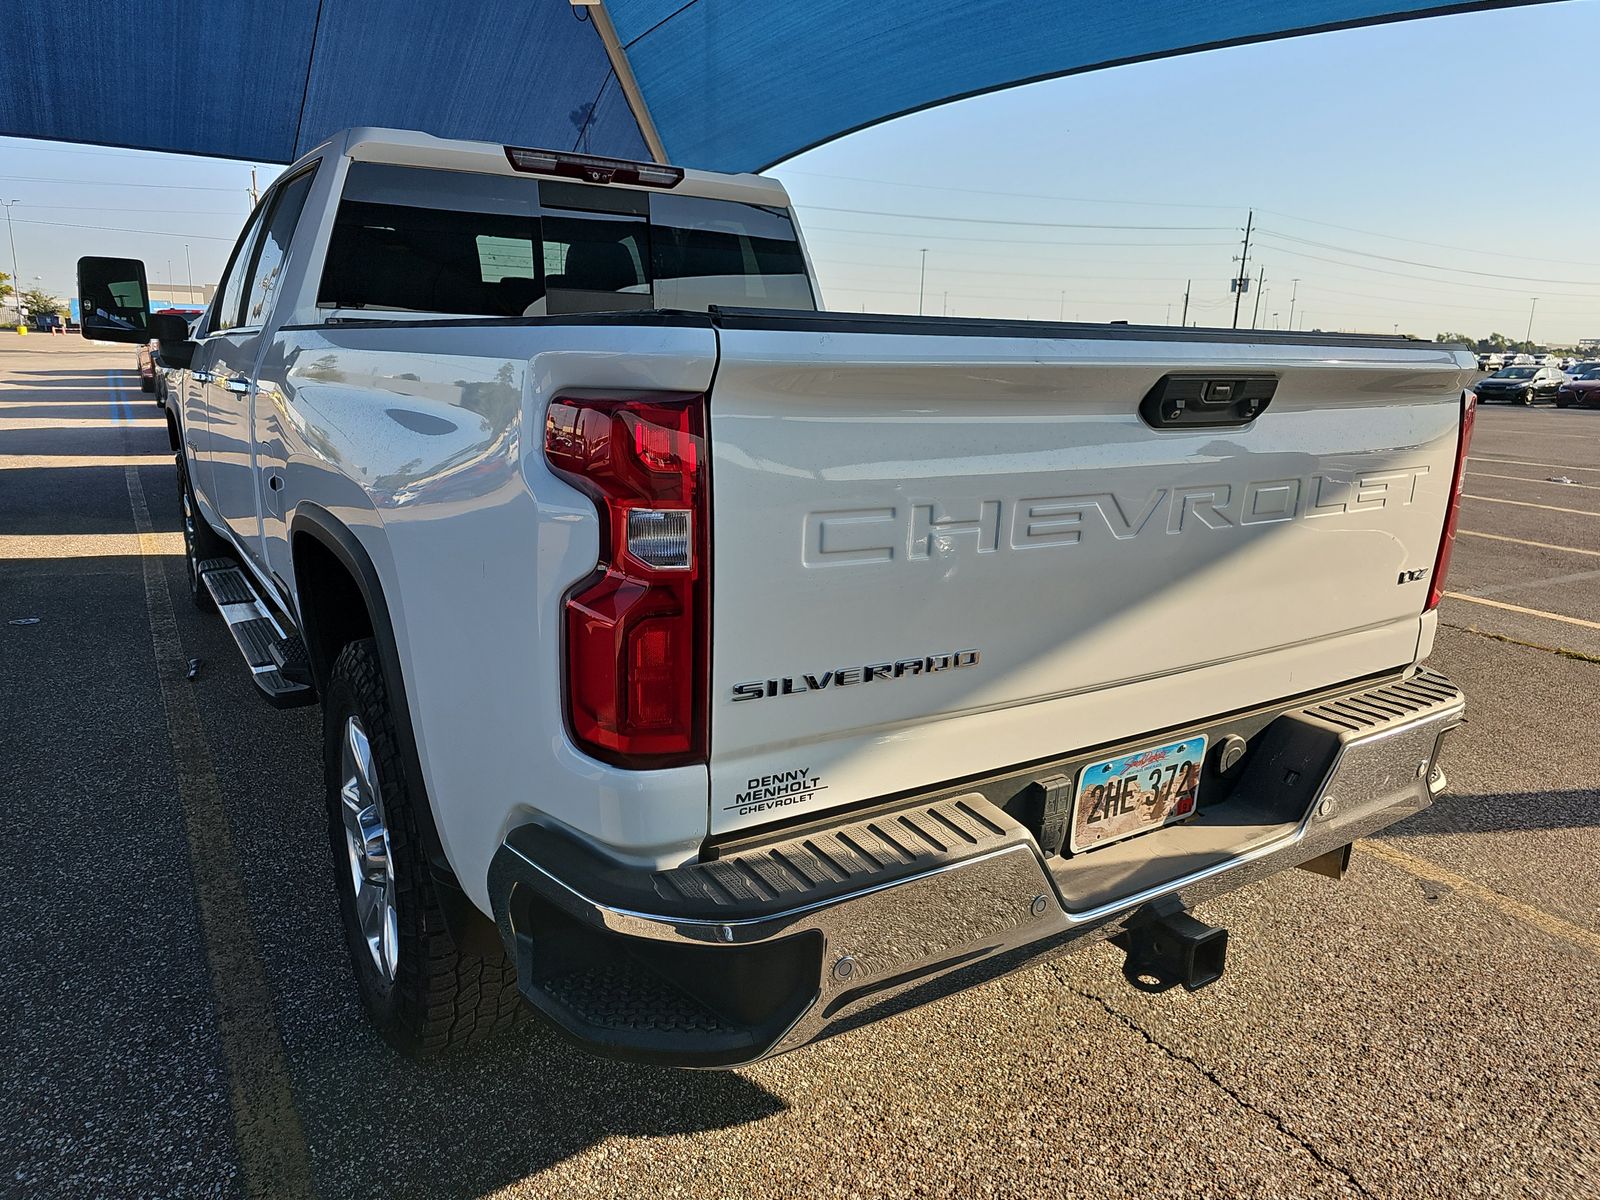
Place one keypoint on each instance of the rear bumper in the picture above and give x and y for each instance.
(725, 962)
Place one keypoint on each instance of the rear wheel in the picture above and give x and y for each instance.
(422, 992)
(200, 541)
(147, 385)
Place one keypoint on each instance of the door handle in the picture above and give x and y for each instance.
(200, 376)
(237, 386)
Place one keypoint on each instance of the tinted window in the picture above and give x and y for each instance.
(1516, 373)
(717, 252)
(232, 289)
(417, 240)
(274, 246)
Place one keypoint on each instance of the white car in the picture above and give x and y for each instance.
(718, 672)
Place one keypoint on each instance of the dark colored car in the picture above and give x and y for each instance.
(1521, 385)
(152, 374)
(147, 367)
(1582, 390)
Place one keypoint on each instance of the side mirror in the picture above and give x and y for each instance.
(172, 333)
(113, 299)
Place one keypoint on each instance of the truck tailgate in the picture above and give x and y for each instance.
(941, 552)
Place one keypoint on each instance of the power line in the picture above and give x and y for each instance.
(118, 229)
(1482, 287)
(1031, 242)
(929, 187)
(1394, 237)
(1409, 262)
(175, 187)
(904, 216)
(176, 212)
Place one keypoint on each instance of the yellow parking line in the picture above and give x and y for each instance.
(1517, 608)
(57, 462)
(268, 1133)
(1547, 922)
(1581, 512)
(1524, 479)
(87, 545)
(39, 424)
(1499, 537)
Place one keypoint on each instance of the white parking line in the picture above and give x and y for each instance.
(1499, 537)
(1530, 612)
(1523, 462)
(1581, 512)
(1525, 479)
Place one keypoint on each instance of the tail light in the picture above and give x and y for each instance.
(1441, 565)
(636, 630)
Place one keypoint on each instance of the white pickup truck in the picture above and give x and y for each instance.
(719, 673)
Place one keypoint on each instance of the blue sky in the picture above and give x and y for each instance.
(1425, 176)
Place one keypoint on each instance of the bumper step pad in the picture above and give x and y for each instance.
(277, 661)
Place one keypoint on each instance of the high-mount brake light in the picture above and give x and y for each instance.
(592, 168)
(637, 631)
(1447, 543)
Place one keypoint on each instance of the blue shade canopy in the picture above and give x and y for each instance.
(724, 84)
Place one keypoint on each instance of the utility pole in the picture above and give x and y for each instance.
(1169, 314)
(190, 266)
(16, 273)
(1241, 279)
(945, 310)
(1062, 315)
(1186, 284)
(922, 280)
(1528, 339)
(1256, 311)
(1295, 292)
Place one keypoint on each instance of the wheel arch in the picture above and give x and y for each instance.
(339, 598)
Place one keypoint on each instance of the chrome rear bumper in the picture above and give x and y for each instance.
(762, 951)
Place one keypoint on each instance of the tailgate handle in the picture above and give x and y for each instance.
(1207, 401)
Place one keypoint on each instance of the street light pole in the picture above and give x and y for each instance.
(1531, 307)
(922, 280)
(16, 272)
(1295, 292)
(190, 266)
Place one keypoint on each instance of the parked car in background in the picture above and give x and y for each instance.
(1521, 384)
(147, 366)
(1581, 390)
(152, 373)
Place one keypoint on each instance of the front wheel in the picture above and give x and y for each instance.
(421, 991)
(200, 541)
(147, 385)
(1562, 401)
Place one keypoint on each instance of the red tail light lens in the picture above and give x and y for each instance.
(1441, 565)
(637, 632)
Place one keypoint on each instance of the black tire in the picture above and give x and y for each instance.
(1562, 401)
(200, 541)
(147, 385)
(440, 997)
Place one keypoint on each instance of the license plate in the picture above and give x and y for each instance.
(1135, 793)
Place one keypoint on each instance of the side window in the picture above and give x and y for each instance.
(228, 295)
(274, 247)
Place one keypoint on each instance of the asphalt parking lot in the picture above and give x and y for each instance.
(181, 1020)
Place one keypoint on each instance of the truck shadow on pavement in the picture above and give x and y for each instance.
(1504, 812)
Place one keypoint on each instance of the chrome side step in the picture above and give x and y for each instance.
(277, 660)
